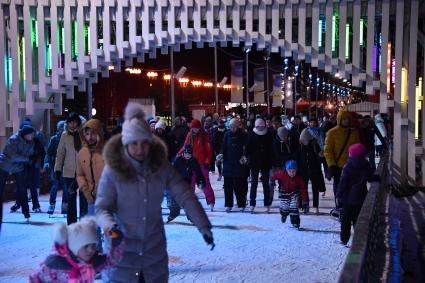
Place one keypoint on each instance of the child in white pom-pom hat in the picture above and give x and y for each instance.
(74, 257)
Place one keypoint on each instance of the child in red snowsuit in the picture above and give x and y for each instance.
(293, 187)
(74, 257)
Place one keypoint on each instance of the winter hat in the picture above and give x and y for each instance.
(195, 124)
(26, 129)
(60, 124)
(357, 150)
(27, 121)
(135, 126)
(306, 136)
(260, 123)
(187, 148)
(160, 124)
(77, 235)
(282, 133)
(291, 164)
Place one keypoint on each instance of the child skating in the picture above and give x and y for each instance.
(74, 256)
(293, 187)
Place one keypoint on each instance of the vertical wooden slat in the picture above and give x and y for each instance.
(288, 29)
(356, 47)
(14, 105)
(55, 54)
(328, 37)
(370, 46)
(315, 34)
(342, 35)
(3, 89)
(383, 108)
(42, 54)
(29, 99)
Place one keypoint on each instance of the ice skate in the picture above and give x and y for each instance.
(27, 217)
(51, 209)
(323, 194)
(283, 218)
(15, 207)
(252, 209)
(219, 178)
(212, 207)
(268, 209)
(171, 218)
(64, 208)
(37, 210)
(317, 210)
(296, 225)
(242, 209)
(228, 209)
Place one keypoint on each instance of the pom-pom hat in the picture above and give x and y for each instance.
(135, 126)
(357, 150)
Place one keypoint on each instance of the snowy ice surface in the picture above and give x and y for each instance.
(249, 247)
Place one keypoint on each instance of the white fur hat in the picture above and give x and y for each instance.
(77, 234)
(135, 126)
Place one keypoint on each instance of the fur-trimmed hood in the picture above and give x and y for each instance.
(114, 156)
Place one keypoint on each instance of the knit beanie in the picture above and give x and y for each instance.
(60, 124)
(306, 136)
(195, 124)
(77, 235)
(26, 129)
(135, 126)
(160, 124)
(357, 150)
(187, 148)
(291, 164)
(282, 133)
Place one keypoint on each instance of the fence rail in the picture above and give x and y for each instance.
(364, 262)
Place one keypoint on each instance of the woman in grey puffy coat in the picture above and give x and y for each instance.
(130, 193)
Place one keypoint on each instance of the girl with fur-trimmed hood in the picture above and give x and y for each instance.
(129, 197)
(74, 257)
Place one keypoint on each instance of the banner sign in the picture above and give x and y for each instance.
(237, 81)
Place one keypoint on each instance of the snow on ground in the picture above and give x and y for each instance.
(249, 247)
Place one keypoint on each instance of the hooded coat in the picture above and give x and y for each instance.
(16, 154)
(352, 188)
(201, 144)
(66, 155)
(90, 161)
(130, 195)
(335, 139)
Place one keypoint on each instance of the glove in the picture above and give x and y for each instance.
(208, 237)
(331, 172)
(306, 208)
(46, 167)
(58, 175)
(116, 236)
(219, 157)
(201, 185)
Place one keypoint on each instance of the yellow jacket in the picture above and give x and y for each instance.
(335, 139)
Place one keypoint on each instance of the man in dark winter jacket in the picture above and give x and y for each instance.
(235, 169)
(352, 188)
(49, 166)
(186, 165)
(259, 150)
(14, 160)
(177, 136)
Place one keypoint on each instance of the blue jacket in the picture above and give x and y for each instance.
(16, 154)
(187, 168)
(233, 149)
(352, 188)
(52, 148)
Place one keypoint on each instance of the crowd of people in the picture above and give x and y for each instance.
(122, 180)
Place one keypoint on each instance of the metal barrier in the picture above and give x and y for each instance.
(364, 262)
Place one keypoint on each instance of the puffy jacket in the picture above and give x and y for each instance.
(335, 139)
(281, 152)
(233, 149)
(217, 140)
(16, 154)
(260, 150)
(201, 144)
(90, 162)
(352, 188)
(291, 185)
(130, 195)
(66, 156)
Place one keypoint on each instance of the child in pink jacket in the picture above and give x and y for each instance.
(74, 257)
